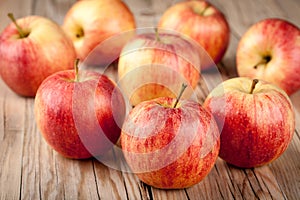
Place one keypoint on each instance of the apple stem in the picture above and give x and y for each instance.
(183, 86)
(76, 70)
(264, 61)
(204, 10)
(21, 32)
(254, 82)
(157, 35)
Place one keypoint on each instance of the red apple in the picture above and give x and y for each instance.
(201, 21)
(89, 23)
(31, 49)
(170, 145)
(270, 50)
(153, 65)
(79, 114)
(256, 120)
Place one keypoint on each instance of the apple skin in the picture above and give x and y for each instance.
(275, 44)
(79, 119)
(149, 67)
(26, 62)
(255, 128)
(88, 23)
(202, 22)
(170, 148)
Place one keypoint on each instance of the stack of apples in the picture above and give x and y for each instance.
(78, 113)
(254, 114)
(169, 140)
(34, 47)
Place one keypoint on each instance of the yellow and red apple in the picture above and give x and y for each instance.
(154, 65)
(256, 120)
(79, 113)
(270, 50)
(201, 21)
(170, 145)
(31, 49)
(89, 23)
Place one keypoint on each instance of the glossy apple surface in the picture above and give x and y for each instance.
(270, 50)
(89, 23)
(201, 21)
(170, 147)
(154, 65)
(256, 128)
(79, 119)
(27, 61)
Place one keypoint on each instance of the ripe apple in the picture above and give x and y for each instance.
(201, 21)
(89, 23)
(270, 51)
(256, 120)
(79, 114)
(153, 65)
(31, 49)
(170, 144)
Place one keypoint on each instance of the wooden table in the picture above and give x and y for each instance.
(30, 169)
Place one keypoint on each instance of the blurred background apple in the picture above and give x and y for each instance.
(88, 23)
(31, 49)
(201, 21)
(270, 50)
(154, 65)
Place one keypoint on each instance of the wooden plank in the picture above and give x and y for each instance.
(12, 118)
(211, 187)
(75, 179)
(31, 152)
(30, 169)
(135, 189)
(11, 143)
(160, 194)
(286, 169)
(47, 175)
(247, 183)
(110, 182)
(263, 183)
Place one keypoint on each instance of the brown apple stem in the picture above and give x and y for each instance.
(183, 86)
(204, 10)
(264, 61)
(157, 35)
(254, 82)
(76, 70)
(21, 32)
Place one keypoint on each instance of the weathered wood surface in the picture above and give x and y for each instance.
(29, 169)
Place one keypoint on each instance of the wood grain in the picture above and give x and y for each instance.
(30, 169)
